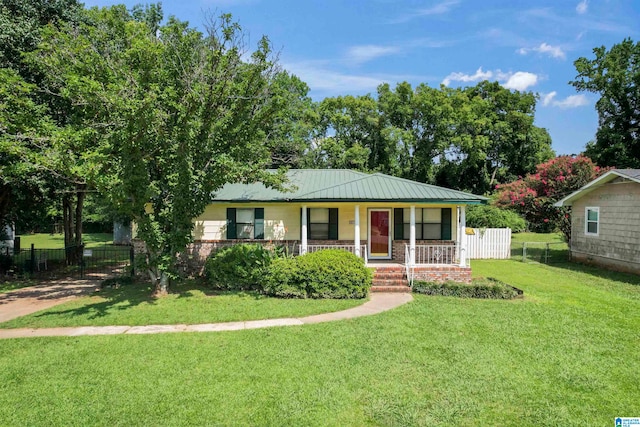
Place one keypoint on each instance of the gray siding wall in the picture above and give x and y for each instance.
(618, 242)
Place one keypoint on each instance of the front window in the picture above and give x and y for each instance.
(592, 221)
(319, 224)
(428, 223)
(245, 221)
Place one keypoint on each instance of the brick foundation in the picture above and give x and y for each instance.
(442, 273)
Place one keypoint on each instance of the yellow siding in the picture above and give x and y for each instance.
(212, 224)
(282, 220)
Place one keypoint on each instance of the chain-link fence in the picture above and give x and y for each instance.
(546, 253)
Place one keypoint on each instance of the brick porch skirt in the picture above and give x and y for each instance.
(442, 273)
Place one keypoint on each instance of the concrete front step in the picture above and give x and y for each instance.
(389, 276)
(397, 288)
(389, 282)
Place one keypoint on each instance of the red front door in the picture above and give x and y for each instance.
(379, 236)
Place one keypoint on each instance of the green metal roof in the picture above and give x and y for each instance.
(342, 185)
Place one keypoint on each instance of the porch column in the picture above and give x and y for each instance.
(412, 236)
(463, 237)
(356, 230)
(303, 231)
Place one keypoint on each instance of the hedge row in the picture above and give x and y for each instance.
(479, 288)
(330, 273)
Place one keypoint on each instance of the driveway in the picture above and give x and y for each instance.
(35, 298)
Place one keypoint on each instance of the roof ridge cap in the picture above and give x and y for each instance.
(424, 183)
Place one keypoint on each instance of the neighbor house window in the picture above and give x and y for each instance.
(592, 221)
(245, 223)
(322, 224)
(431, 223)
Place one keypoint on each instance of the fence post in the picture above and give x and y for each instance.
(524, 251)
(33, 258)
(131, 261)
(82, 261)
(546, 254)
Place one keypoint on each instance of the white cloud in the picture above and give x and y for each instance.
(544, 48)
(361, 54)
(461, 77)
(520, 80)
(582, 7)
(324, 80)
(572, 101)
(548, 98)
(437, 9)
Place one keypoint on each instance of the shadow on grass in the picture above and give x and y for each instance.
(120, 295)
(114, 298)
(186, 289)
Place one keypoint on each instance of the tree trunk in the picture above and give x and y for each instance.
(80, 195)
(72, 218)
(160, 281)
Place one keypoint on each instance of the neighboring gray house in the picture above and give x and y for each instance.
(605, 221)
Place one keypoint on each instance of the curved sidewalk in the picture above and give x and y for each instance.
(378, 303)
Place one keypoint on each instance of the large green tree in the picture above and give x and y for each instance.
(614, 74)
(463, 138)
(30, 162)
(170, 115)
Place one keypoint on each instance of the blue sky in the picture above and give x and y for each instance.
(350, 47)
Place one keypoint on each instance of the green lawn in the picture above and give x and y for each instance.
(537, 237)
(190, 304)
(565, 355)
(56, 241)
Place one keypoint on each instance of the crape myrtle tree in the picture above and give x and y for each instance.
(171, 113)
(534, 195)
(615, 75)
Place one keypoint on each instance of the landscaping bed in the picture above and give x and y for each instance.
(479, 288)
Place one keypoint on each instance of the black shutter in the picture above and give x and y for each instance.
(398, 224)
(333, 224)
(308, 221)
(445, 225)
(231, 223)
(258, 228)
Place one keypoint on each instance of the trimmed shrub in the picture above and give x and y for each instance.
(238, 267)
(283, 279)
(487, 216)
(479, 288)
(331, 273)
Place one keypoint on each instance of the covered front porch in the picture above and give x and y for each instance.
(397, 263)
(382, 242)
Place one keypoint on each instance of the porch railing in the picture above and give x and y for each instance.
(349, 248)
(434, 254)
(408, 265)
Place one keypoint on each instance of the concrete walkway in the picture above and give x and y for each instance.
(378, 303)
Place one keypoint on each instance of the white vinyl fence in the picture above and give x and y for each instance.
(489, 243)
